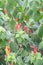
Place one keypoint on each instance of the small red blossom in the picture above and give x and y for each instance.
(29, 31)
(17, 26)
(17, 19)
(5, 11)
(25, 28)
(35, 50)
(8, 49)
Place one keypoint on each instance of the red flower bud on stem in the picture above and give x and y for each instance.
(7, 49)
(17, 19)
(17, 26)
(35, 50)
(25, 28)
(29, 31)
(5, 11)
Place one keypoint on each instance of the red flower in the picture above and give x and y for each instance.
(35, 50)
(17, 19)
(5, 11)
(29, 31)
(17, 26)
(25, 28)
(7, 49)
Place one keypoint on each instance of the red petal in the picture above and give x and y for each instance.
(16, 19)
(29, 31)
(25, 28)
(8, 49)
(17, 26)
(5, 11)
(35, 50)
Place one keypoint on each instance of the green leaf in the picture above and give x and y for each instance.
(19, 40)
(40, 30)
(19, 60)
(38, 62)
(41, 45)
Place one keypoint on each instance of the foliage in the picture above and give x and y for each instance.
(21, 31)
